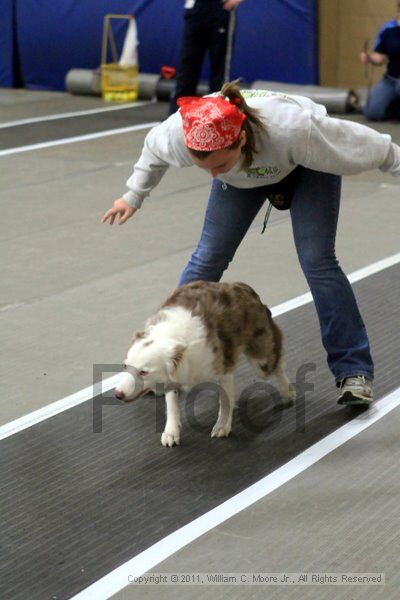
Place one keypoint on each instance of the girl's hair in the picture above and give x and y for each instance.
(252, 122)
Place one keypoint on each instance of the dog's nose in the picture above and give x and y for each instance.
(119, 394)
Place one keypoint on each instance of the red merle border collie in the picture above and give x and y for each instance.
(198, 336)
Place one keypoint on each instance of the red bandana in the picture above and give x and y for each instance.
(209, 123)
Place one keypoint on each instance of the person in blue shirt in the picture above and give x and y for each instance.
(384, 99)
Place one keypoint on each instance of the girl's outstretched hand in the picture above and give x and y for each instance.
(121, 208)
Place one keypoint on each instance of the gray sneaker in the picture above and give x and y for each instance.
(356, 391)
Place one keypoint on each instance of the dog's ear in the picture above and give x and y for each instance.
(138, 335)
(175, 358)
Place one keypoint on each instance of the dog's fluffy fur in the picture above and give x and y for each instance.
(197, 336)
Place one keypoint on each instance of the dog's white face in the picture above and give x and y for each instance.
(148, 363)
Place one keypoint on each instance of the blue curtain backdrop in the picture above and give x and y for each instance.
(7, 40)
(275, 39)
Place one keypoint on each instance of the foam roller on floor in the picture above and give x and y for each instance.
(336, 100)
(84, 82)
(87, 82)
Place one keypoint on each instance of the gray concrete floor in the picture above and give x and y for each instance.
(20, 104)
(73, 291)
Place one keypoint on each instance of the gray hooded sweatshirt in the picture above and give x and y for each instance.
(298, 132)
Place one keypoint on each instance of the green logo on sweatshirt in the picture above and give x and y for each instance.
(262, 94)
(263, 172)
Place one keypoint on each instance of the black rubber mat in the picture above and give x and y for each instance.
(47, 131)
(75, 504)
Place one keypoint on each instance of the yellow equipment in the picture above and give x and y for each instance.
(119, 78)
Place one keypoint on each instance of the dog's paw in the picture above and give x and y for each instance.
(219, 432)
(289, 397)
(170, 438)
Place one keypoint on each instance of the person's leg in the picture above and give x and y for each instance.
(380, 99)
(220, 46)
(314, 212)
(394, 109)
(193, 49)
(229, 214)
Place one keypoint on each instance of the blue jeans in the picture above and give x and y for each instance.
(384, 100)
(314, 213)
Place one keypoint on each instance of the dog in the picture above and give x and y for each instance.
(198, 335)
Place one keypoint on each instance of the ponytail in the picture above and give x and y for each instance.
(250, 124)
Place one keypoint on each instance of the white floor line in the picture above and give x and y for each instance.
(86, 394)
(54, 408)
(79, 138)
(77, 113)
(145, 561)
